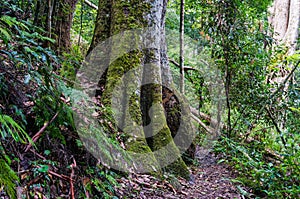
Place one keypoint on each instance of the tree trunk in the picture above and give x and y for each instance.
(102, 25)
(285, 20)
(181, 58)
(55, 17)
(134, 82)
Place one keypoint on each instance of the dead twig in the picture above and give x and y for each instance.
(186, 68)
(39, 133)
(61, 176)
(71, 179)
(37, 154)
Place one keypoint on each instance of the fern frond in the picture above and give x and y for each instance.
(4, 35)
(8, 178)
(10, 127)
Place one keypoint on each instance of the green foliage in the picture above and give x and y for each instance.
(8, 178)
(102, 183)
(5, 34)
(83, 22)
(37, 64)
(11, 128)
(266, 166)
(70, 64)
(27, 72)
(234, 35)
(238, 41)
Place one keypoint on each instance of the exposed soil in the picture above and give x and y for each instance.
(208, 181)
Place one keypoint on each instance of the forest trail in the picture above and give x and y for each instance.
(210, 180)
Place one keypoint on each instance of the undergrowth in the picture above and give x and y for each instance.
(35, 87)
(271, 170)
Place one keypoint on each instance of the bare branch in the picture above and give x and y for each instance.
(87, 2)
(39, 133)
(186, 68)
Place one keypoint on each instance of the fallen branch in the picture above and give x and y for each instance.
(272, 154)
(34, 180)
(206, 128)
(37, 154)
(208, 118)
(63, 177)
(277, 127)
(39, 133)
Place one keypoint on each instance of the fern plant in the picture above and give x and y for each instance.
(10, 128)
(7, 179)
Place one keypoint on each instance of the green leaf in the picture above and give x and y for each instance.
(28, 50)
(243, 192)
(10, 127)
(297, 110)
(8, 20)
(5, 35)
(294, 57)
(43, 168)
(47, 152)
(48, 39)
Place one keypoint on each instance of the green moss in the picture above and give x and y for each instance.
(129, 15)
(179, 168)
(144, 163)
(170, 154)
(161, 142)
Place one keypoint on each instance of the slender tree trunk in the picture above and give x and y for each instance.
(63, 24)
(181, 58)
(103, 23)
(292, 32)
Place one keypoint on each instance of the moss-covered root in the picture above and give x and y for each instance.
(166, 152)
(179, 168)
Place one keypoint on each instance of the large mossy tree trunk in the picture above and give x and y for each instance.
(138, 78)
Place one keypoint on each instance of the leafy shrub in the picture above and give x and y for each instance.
(271, 173)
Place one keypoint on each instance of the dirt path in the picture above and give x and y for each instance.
(210, 181)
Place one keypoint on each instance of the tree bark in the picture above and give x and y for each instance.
(102, 24)
(181, 58)
(285, 20)
(62, 24)
(137, 78)
(55, 17)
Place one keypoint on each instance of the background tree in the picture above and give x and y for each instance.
(285, 20)
(55, 16)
